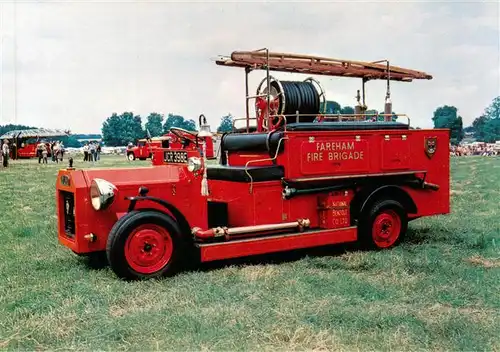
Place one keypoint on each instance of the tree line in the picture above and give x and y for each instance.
(485, 128)
(120, 129)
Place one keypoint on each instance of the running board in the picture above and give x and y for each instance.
(275, 243)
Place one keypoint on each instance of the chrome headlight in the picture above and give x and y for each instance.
(102, 193)
(194, 164)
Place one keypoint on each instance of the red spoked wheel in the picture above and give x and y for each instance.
(148, 248)
(386, 228)
(384, 224)
(145, 244)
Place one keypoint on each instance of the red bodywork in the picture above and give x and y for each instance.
(29, 150)
(286, 186)
(146, 148)
(343, 155)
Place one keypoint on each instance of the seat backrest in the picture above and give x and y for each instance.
(250, 142)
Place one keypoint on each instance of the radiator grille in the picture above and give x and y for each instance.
(69, 213)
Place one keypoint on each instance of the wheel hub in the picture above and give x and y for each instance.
(148, 248)
(386, 229)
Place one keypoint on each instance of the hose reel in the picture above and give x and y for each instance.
(289, 97)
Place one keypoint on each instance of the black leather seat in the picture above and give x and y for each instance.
(238, 174)
(346, 126)
(250, 142)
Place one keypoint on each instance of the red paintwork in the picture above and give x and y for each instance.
(144, 148)
(279, 243)
(170, 182)
(386, 228)
(265, 205)
(29, 150)
(149, 248)
(334, 209)
(313, 156)
(261, 108)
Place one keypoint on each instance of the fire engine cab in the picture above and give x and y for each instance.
(291, 177)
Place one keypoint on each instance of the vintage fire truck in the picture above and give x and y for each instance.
(24, 143)
(292, 177)
(146, 147)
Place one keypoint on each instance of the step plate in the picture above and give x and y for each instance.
(277, 243)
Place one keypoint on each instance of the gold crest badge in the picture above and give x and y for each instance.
(430, 146)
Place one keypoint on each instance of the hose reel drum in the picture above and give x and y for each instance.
(289, 97)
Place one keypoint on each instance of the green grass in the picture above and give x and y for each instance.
(439, 290)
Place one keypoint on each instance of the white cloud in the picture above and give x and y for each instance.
(77, 62)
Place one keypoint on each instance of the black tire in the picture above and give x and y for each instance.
(130, 156)
(383, 218)
(142, 158)
(117, 250)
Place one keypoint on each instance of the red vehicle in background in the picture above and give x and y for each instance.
(24, 143)
(146, 146)
(297, 178)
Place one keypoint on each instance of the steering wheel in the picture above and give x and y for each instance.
(185, 135)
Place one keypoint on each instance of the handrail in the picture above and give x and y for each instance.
(259, 160)
(327, 117)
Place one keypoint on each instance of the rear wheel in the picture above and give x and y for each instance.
(131, 156)
(384, 225)
(144, 244)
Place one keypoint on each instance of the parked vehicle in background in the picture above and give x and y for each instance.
(146, 146)
(24, 143)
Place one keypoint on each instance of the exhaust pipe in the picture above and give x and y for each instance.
(228, 232)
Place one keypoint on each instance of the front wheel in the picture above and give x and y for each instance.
(143, 245)
(131, 156)
(384, 225)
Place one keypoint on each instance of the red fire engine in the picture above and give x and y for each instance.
(145, 147)
(292, 177)
(24, 143)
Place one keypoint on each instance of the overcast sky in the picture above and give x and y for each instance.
(71, 64)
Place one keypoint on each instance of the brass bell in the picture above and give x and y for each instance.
(204, 127)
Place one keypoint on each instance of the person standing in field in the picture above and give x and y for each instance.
(45, 153)
(39, 152)
(61, 150)
(5, 153)
(98, 151)
(92, 151)
(86, 152)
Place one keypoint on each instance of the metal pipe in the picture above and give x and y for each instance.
(363, 88)
(247, 70)
(291, 192)
(268, 90)
(256, 96)
(227, 232)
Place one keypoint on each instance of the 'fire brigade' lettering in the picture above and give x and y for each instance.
(314, 156)
(345, 156)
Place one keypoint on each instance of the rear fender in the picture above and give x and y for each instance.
(367, 196)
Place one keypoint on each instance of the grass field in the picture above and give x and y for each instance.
(439, 290)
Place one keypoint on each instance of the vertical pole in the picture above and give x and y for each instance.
(247, 70)
(388, 103)
(363, 92)
(268, 90)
